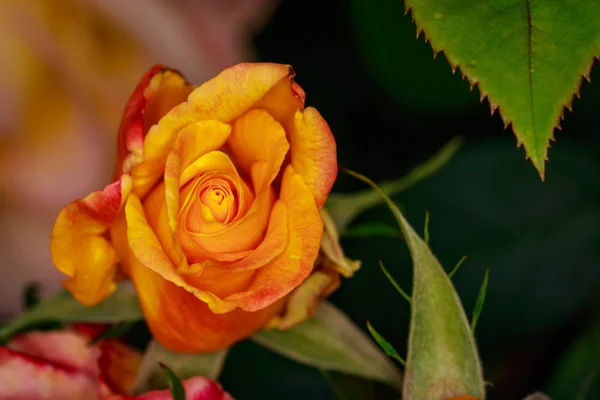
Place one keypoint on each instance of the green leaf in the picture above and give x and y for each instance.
(493, 207)
(114, 332)
(528, 57)
(331, 341)
(372, 229)
(442, 357)
(343, 208)
(122, 306)
(385, 345)
(480, 300)
(177, 390)
(578, 373)
(150, 376)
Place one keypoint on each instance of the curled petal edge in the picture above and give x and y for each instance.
(79, 245)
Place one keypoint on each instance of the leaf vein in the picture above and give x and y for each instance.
(530, 72)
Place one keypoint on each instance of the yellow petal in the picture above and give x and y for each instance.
(159, 90)
(272, 246)
(165, 91)
(155, 212)
(312, 146)
(149, 252)
(313, 153)
(214, 161)
(221, 282)
(158, 143)
(240, 237)
(191, 143)
(224, 98)
(258, 138)
(288, 270)
(181, 322)
(235, 90)
(79, 246)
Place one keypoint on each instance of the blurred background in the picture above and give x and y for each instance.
(68, 66)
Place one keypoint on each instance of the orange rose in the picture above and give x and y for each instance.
(214, 212)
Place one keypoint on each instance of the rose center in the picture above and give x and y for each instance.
(218, 201)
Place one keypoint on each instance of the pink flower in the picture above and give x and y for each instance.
(62, 365)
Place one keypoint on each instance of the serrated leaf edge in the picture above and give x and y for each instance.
(473, 81)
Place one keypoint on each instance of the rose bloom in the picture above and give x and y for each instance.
(215, 208)
(63, 365)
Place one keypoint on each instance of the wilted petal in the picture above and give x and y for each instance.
(305, 299)
(332, 254)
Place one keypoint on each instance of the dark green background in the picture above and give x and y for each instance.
(391, 106)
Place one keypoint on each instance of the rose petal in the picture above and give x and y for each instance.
(24, 376)
(313, 152)
(165, 91)
(79, 247)
(224, 172)
(312, 146)
(149, 254)
(156, 213)
(304, 300)
(220, 282)
(223, 98)
(284, 273)
(68, 348)
(240, 235)
(273, 245)
(119, 364)
(201, 239)
(282, 101)
(333, 257)
(196, 388)
(168, 308)
(209, 162)
(235, 241)
(192, 142)
(235, 90)
(257, 137)
(202, 276)
(159, 90)
(158, 143)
